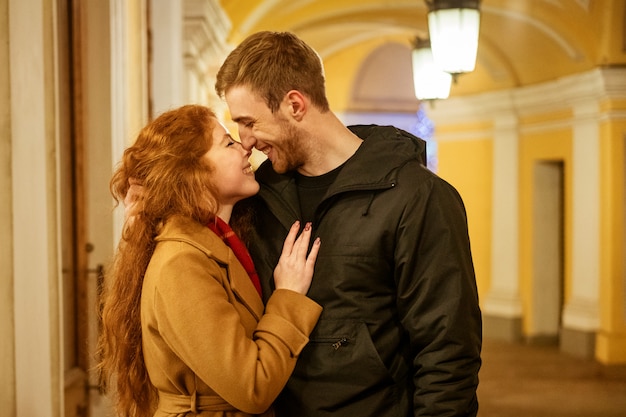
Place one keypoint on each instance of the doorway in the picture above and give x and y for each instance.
(76, 309)
(548, 252)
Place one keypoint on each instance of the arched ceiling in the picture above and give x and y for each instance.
(521, 42)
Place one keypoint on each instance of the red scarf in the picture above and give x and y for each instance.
(223, 230)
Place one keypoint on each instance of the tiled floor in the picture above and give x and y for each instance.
(518, 380)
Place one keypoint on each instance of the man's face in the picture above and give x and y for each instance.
(274, 134)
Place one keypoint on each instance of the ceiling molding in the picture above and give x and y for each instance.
(569, 48)
(594, 85)
(258, 13)
(352, 35)
(522, 43)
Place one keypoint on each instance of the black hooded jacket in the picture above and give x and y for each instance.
(400, 333)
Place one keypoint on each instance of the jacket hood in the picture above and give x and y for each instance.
(372, 167)
(380, 143)
(384, 149)
(405, 142)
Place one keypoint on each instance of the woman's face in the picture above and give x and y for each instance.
(233, 172)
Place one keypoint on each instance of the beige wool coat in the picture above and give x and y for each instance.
(210, 346)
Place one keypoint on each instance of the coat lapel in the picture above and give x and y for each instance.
(181, 228)
(242, 286)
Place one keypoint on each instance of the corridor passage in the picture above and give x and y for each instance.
(518, 380)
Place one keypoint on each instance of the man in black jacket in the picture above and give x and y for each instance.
(400, 334)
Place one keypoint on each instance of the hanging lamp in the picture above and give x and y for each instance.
(453, 26)
(430, 82)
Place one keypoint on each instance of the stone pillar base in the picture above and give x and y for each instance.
(502, 328)
(579, 343)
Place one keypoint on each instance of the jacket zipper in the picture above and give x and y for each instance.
(334, 342)
(339, 343)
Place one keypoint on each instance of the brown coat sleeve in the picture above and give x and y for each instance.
(196, 326)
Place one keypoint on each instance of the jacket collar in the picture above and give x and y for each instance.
(363, 170)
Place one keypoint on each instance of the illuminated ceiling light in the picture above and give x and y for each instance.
(453, 26)
(430, 82)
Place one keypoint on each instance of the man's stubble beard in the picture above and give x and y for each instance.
(291, 150)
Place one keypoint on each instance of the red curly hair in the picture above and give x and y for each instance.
(167, 160)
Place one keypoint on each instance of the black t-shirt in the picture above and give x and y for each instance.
(311, 190)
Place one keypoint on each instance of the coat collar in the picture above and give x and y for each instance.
(184, 229)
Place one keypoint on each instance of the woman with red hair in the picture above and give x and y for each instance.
(184, 328)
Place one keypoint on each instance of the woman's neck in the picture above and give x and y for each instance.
(225, 212)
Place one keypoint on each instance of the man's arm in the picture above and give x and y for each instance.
(438, 302)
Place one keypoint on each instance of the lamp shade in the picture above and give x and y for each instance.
(430, 82)
(453, 26)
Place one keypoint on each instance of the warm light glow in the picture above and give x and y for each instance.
(454, 38)
(429, 81)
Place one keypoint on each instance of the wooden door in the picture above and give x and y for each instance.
(76, 312)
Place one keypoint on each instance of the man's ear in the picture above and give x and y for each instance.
(298, 104)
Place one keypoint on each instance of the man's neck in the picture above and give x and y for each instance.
(332, 145)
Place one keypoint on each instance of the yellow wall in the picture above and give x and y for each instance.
(611, 340)
(542, 145)
(467, 165)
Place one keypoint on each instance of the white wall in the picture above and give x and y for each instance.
(7, 351)
(33, 140)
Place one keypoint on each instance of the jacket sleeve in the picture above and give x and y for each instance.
(438, 301)
(203, 328)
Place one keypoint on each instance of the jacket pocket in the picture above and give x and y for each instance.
(340, 369)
